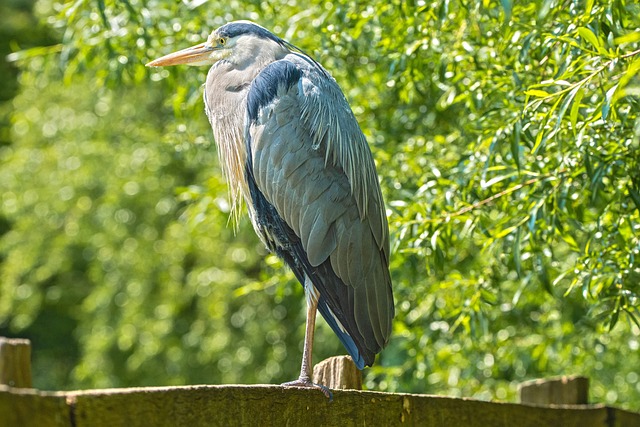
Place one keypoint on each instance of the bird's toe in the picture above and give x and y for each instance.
(307, 383)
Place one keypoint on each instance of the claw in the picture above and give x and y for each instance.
(306, 383)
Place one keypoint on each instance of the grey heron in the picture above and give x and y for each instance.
(290, 146)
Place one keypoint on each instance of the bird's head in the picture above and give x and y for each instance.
(236, 41)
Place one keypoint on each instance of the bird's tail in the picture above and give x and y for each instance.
(344, 337)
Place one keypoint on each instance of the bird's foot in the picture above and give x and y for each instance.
(305, 382)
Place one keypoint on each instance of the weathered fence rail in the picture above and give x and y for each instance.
(267, 405)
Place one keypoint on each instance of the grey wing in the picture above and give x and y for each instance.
(311, 162)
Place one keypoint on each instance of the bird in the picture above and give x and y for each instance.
(292, 151)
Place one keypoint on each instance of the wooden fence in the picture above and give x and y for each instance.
(271, 405)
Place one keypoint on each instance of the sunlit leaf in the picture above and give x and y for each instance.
(588, 7)
(537, 93)
(568, 238)
(591, 38)
(630, 73)
(575, 109)
(608, 100)
(631, 37)
(565, 105)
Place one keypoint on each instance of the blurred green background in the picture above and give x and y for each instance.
(507, 142)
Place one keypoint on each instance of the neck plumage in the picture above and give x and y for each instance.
(225, 96)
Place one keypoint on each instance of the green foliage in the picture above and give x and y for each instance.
(507, 138)
(19, 29)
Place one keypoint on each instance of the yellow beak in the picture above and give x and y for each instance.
(195, 55)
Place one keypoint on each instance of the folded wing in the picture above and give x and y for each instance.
(316, 199)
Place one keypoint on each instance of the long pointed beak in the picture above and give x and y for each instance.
(195, 55)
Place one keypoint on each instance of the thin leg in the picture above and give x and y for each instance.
(305, 369)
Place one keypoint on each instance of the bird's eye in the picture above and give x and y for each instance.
(222, 41)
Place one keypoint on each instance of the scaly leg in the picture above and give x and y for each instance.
(305, 370)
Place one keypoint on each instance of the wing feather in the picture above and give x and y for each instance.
(311, 162)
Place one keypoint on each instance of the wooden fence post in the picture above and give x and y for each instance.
(555, 391)
(338, 373)
(15, 362)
